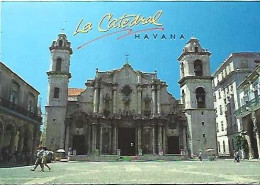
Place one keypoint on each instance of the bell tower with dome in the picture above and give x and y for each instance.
(57, 95)
(197, 98)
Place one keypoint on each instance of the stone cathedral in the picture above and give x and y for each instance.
(126, 109)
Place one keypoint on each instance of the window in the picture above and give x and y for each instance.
(220, 110)
(56, 92)
(198, 70)
(200, 96)
(202, 113)
(60, 43)
(203, 135)
(196, 49)
(219, 94)
(15, 90)
(218, 146)
(224, 147)
(203, 123)
(217, 127)
(222, 126)
(182, 69)
(231, 88)
(58, 64)
(183, 97)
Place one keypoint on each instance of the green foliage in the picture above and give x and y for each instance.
(96, 152)
(240, 142)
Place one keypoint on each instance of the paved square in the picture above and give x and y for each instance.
(221, 171)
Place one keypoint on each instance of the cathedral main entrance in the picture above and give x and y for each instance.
(126, 141)
(79, 144)
(173, 145)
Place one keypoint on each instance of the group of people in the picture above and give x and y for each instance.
(237, 155)
(41, 159)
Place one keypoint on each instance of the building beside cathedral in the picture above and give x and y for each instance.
(227, 79)
(20, 118)
(249, 111)
(130, 110)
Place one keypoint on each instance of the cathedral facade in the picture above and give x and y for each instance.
(122, 110)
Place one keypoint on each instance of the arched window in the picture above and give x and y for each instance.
(182, 70)
(58, 64)
(200, 96)
(183, 97)
(196, 49)
(56, 92)
(198, 70)
(60, 43)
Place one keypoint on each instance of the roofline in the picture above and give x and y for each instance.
(228, 58)
(20, 77)
(249, 76)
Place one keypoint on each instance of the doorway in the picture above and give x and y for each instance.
(173, 145)
(126, 141)
(79, 144)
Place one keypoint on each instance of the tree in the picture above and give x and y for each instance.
(240, 142)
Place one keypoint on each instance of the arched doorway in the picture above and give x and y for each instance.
(126, 140)
(252, 135)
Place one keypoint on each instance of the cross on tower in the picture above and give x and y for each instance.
(127, 55)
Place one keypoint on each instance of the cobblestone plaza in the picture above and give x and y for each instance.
(152, 172)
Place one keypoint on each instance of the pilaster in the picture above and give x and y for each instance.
(158, 99)
(101, 139)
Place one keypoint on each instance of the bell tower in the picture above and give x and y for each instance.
(197, 97)
(57, 95)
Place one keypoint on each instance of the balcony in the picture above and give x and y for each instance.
(13, 107)
(248, 108)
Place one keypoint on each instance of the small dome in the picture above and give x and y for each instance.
(193, 45)
(61, 43)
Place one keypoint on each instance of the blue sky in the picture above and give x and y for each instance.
(28, 29)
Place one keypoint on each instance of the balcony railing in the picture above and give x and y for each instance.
(249, 106)
(12, 106)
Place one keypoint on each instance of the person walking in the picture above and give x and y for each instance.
(200, 156)
(39, 159)
(235, 156)
(44, 158)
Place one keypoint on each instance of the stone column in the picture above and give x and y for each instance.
(251, 151)
(95, 99)
(114, 100)
(184, 138)
(139, 139)
(159, 138)
(153, 139)
(153, 100)
(67, 138)
(100, 139)
(89, 139)
(93, 138)
(158, 99)
(114, 139)
(164, 139)
(101, 102)
(12, 142)
(139, 100)
(110, 140)
(2, 139)
(20, 143)
(256, 130)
